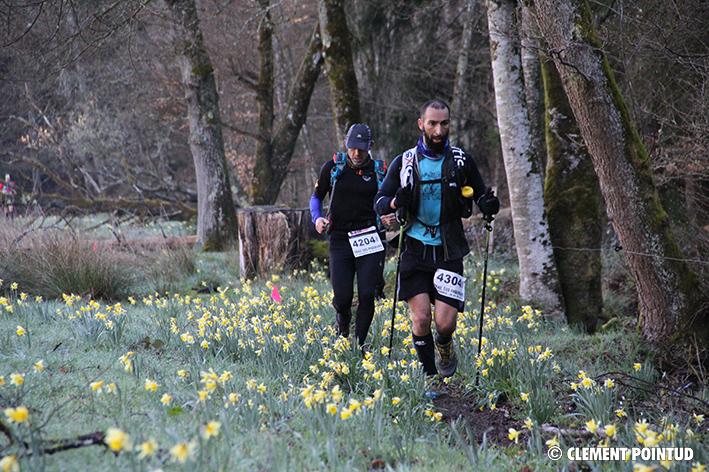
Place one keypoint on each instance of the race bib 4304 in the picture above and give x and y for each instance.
(449, 284)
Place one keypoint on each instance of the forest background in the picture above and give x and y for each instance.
(96, 115)
(106, 108)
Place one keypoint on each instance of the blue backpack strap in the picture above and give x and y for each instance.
(339, 159)
(380, 168)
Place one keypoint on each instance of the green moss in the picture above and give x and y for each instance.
(573, 204)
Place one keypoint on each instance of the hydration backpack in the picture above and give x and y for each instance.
(339, 158)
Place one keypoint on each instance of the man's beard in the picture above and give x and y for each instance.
(433, 146)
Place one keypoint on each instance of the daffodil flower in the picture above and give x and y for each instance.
(117, 440)
(17, 415)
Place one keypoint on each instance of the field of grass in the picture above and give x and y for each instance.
(186, 367)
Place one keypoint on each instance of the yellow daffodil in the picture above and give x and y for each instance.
(211, 429)
(525, 396)
(150, 385)
(39, 365)
(639, 467)
(637, 366)
(552, 442)
(166, 399)
(611, 430)
(148, 448)
(652, 439)
(336, 394)
(620, 412)
(345, 413)
(698, 418)
(17, 415)
(17, 379)
(117, 440)
(514, 435)
(97, 386)
(9, 464)
(331, 408)
(608, 383)
(395, 400)
(183, 451)
(698, 467)
(21, 331)
(591, 426)
(641, 426)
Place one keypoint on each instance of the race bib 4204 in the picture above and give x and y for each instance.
(366, 241)
(449, 284)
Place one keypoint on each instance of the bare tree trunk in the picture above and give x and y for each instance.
(457, 121)
(672, 309)
(574, 207)
(296, 112)
(275, 149)
(538, 275)
(339, 65)
(216, 221)
(532, 69)
(264, 98)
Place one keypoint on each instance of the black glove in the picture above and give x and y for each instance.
(489, 204)
(403, 197)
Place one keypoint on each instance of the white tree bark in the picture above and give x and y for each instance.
(538, 275)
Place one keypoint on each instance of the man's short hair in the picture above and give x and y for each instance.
(436, 104)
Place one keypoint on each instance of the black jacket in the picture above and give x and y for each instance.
(351, 204)
(455, 174)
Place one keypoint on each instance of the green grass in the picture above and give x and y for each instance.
(288, 394)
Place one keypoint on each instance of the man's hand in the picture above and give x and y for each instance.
(321, 225)
(489, 204)
(402, 197)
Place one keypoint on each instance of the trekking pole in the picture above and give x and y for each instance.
(398, 261)
(488, 219)
(396, 286)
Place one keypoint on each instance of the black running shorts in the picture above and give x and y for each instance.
(417, 267)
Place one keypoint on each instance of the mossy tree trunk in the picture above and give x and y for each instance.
(339, 65)
(539, 280)
(263, 173)
(274, 148)
(574, 207)
(532, 71)
(216, 220)
(672, 308)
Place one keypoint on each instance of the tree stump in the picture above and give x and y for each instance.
(273, 238)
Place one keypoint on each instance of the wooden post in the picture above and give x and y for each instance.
(272, 238)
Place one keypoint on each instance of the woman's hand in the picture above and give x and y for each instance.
(321, 225)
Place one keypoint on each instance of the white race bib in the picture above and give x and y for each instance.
(365, 241)
(449, 284)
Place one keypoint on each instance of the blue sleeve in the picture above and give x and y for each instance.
(315, 208)
(387, 191)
